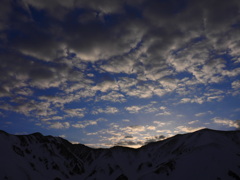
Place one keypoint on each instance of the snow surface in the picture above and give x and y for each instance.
(202, 155)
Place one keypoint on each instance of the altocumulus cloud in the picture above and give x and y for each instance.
(62, 61)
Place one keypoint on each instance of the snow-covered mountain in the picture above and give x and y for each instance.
(202, 155)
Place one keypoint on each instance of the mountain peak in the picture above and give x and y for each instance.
(197, 155)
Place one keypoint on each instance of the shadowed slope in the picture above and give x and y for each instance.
(205, 154)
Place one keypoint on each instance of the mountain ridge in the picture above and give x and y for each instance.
(212, 153)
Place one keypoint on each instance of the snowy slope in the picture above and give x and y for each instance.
(205, 154)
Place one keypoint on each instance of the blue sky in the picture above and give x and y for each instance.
(119, 72)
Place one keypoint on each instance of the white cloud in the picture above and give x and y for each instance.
(167, 131)
(78, 112)
(134, 109)
(162, 107)
(63, 136)
(226, 122)
(133, 129)
(54, 118)
(159, 91)
(198, 100)
(169, 84)
(106, 86)
(165, 113)
(193, 122)
(122, 64)
(59, 125)
(149, 108)
(217, 98)
(160, 124)
(113, 96)
(151, 127)
(232, 73)
(141, 91)
(203, 113)
(85, 123)
(236, 84)
(136, 128)
(75, 142)
(107, 110)
(180, 115)
(187, 129)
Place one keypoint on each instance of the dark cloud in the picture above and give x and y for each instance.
(89, 33)
(129, 143)
(238, 124)
(4, 14)
(138, 143)
(50, 44)
(18, 71)
(103, 30)
(128, 137)
(155, 139)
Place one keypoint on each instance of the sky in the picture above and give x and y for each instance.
(119, 72)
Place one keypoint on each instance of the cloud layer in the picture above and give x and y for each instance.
(65, 62)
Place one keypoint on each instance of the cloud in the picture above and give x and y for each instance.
(32, 74)
(59, 99)
(198, 100)
(106, 86)
(8, 123)
(53, 118)
(123, 64)
(78, 112)
(52, 57)
(25, 76)
(63, 136)
(107, 110)
(203, 113)
(113, 96)
(149, 108)
(237, 110)
(91, 46)
(151, 128)
(4, 13)
(193, 122)
(160, 124)
(164, 131)
(131, 130)
(180, 115)
(138, 143)
(187, 129)
(162, 107)
(226, 122)
(165, 113)
(59, 125)
(85, 123)
(136, 128)
(134, 109)
(29, 107)
(236, 84)
(141, 91)
(133, 144)
(128, 137)
(155, 139)
(169, 84)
